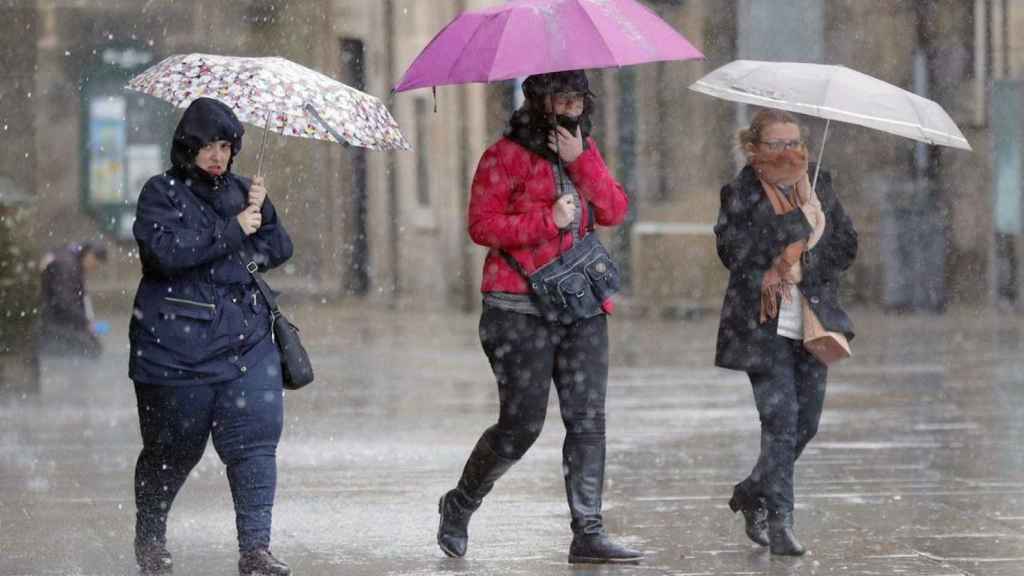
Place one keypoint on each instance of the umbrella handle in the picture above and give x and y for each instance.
(263, 145)
(821, 152)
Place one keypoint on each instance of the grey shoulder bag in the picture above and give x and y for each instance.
(573, 286)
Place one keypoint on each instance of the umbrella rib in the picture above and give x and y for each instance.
(497, 46)
(828, 86)
(603, 43)
(920, 121)
(469, 42)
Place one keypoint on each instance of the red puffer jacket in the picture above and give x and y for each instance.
(510, 208)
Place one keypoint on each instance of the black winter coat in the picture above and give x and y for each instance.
(199, 318)
(749, 236)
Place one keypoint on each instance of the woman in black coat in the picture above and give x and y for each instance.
(202, 357)
(784, 244)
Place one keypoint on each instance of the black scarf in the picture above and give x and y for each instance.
(531, 130)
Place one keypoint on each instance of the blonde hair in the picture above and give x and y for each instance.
(761, 121)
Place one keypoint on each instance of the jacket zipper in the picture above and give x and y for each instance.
(190, 302)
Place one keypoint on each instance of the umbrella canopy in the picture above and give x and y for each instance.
(834, 93)
(277, 95)
(524, 37)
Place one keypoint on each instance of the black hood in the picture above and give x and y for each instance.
(205, 120)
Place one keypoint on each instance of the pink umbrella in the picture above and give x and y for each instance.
(524, 37)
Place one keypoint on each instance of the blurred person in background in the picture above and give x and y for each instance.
(67, 325)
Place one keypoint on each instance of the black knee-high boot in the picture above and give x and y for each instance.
(482, 469)
(583, 463)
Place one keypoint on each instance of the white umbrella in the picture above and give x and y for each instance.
(833, 93)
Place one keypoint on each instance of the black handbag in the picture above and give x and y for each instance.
(574, 285)
(296, 369)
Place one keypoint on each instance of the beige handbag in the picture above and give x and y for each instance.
(827, 347)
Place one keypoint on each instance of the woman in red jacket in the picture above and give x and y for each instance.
(531, 199)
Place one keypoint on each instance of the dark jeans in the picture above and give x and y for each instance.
(526, 354)
(245, 418)
(789, 398)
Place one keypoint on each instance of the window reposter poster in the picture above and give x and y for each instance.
(143, 161)
(107, 129)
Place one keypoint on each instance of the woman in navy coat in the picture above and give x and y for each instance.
(202, 358)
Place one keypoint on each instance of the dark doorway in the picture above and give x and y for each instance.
(353, 73)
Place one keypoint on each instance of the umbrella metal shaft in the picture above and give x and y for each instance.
(263, 145)
(821, 152)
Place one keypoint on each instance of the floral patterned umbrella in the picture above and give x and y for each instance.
(277, 95)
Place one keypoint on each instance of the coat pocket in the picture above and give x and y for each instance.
(172, 308)
(186, 327)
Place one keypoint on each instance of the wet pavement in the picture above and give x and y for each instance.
(917, 469)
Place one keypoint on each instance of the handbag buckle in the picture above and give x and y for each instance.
(252, 267)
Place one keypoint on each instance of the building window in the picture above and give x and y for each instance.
(781, 30)
(125, 137)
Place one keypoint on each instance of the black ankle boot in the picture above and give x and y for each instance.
(780, 533)
(599, 549)
(583, 462)
(483, 468)
(755, 517)
(260, 562)
(153, 559)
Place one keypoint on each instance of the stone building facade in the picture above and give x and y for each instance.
(390, 227)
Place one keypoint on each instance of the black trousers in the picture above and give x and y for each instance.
(527, 354)
(790, 398)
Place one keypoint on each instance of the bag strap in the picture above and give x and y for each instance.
(261, 284)
(515, 265)
(519, 267)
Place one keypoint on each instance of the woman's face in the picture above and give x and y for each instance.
(565, 103)
(779, 137)
(214, 157)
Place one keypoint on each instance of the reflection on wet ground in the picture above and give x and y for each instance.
(917, 468)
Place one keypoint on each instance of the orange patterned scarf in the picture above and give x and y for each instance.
(775, 169)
